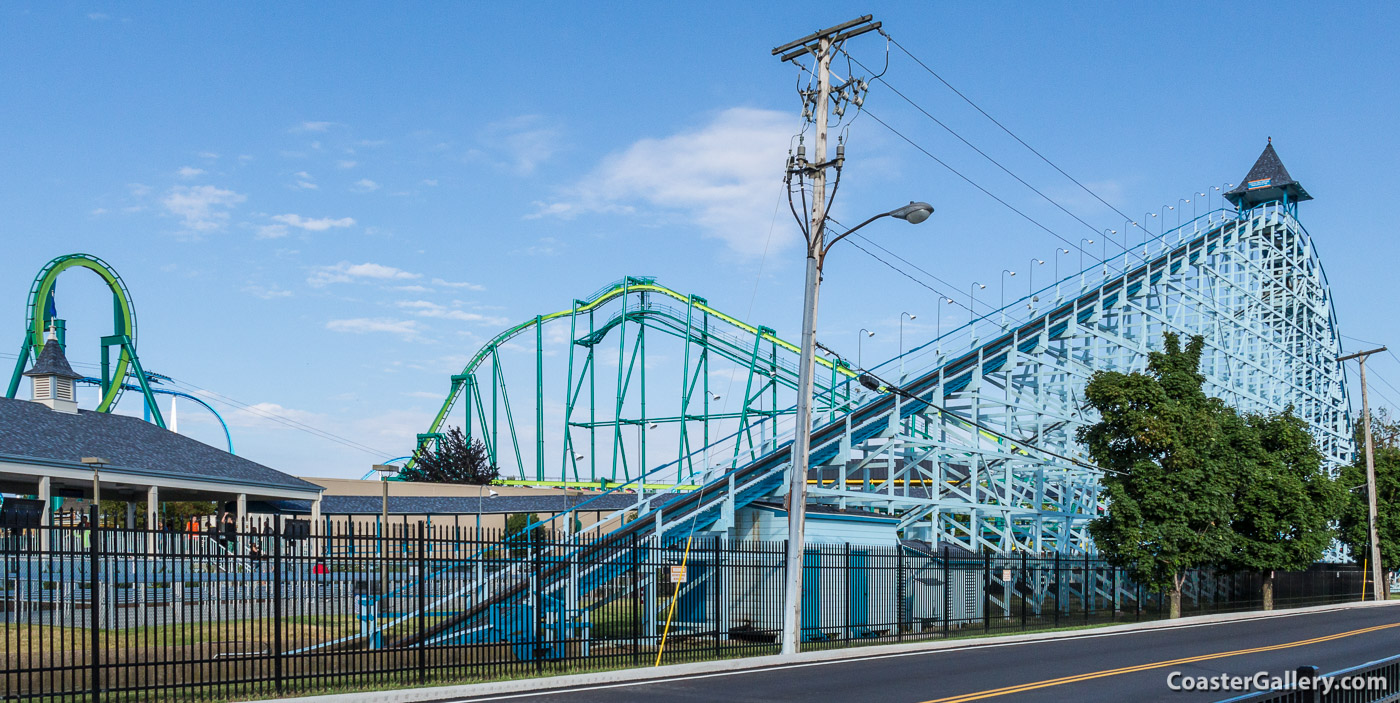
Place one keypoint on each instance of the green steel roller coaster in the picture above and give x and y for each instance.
(42, 315)
(714, 346)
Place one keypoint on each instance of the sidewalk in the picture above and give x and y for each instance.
(435, 694)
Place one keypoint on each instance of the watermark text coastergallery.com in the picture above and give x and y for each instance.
(1265, 681)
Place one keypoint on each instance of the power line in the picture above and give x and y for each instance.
(282, 419)
(971, 182)
(260, 412)
(975, 106)
(984, 154)
(904, 273)
(911, 264)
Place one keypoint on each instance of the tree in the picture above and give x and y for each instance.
(1284, 499)
(453, 460)
(1158, 440)
(1353, 523)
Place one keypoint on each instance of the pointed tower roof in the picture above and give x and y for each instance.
(1267, 181)
(52, 362)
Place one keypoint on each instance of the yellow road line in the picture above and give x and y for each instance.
(993, 693)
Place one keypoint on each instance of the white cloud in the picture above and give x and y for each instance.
(345, 272)
(271, 292)
(305, 181)
(407, 329)
(313, 224)
(458, 284)
(260, 415)
(545, 246)
(313, 127)
(208, 155)
(346, 163)
(430, 181)
(520, 143)
(364, 185)
(98, 16)
(723, 176)
(424, 308)
(271, 232)
(189, 172)
(201, 208)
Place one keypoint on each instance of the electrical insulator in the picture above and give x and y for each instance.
(801, 152)
(840, 152)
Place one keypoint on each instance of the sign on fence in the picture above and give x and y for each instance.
(678, 574)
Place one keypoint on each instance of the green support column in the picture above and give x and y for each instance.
(539, 399)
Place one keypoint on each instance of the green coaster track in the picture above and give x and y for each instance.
(588, 441)
(41, 315)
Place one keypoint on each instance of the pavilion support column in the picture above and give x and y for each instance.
(242, 514)
(152, 515)
(46, 515)
(131, 515)
(316, 526)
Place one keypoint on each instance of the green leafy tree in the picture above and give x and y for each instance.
(1284, 499)
(1158, 438)
(1353, 524)
(453, 460)
(516, 525)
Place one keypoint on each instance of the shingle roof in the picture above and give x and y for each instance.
(52, 362)
(457, 505)
(29, 430)
(1267, 180)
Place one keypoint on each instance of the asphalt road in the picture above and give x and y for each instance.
(1021, 673)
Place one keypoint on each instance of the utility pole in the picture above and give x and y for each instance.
(821, 46)
(1373, 534)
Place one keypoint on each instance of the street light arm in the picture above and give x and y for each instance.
(848, 232)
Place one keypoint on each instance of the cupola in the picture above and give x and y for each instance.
(53, 377)
(1268, 181)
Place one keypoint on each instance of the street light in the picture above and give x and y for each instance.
(913, 213)
(1197, 198)
(493, 494)
(860, 338)
(938, 334)
(972, 299)
(96, 463)
(911, 317)
(1082, 242)
(1030, 275)
(1002, 308)
(1058, 251)
(385, 471)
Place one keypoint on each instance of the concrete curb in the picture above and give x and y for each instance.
(623, 676)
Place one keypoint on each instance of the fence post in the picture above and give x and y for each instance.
(899, 591)
(277, 605)
(636, 604)
(847, 583)
(1308, 694)
(1113, 584)
(947, 591)
(1025, 586)
(1137, 602)
(717, 582)
(422, 606)
(95, 602)
(1086, 591)
(1057, 589)
(539, 600)
(986, 592)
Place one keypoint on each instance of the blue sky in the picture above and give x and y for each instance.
(323, 210)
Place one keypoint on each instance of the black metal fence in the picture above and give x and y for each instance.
(116, 614)
(1373, 682)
